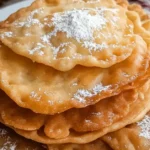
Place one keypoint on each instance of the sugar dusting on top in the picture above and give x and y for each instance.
(37, 49)
(6, 34)
(35, 96)
(26, 23)
(80, 24)
(145, 127)
(93, 1)
(94, 46)
(30, 19)
(82, 94)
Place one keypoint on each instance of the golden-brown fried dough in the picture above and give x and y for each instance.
(122, 3)
(96, 145)
(94, 34)
(95, 117)
(138, 8)
(145, 18)
(132, 137)
(15, 116)
(139, 107)
(139, 17)
(48, 91)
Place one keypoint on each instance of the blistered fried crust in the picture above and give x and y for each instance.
(94, 117)
(18, 117)
(139, 17)
(55, 37)
(140, 29)
(130, 137)
(134, 7)
(137, 111)
(48, 91)
(96, 145)
(138, 8)
(145, 21)
(142, 14)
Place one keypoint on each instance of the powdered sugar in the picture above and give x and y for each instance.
(79, 24)
(27, 34)
(82, 94)
(30, 20)
(94, 46)
(93, 1)
(145, 127)
(60, 48)
(97, 114)
(75, 1)
(37, 49)
(34, 95)
(6, 34)
(75, 84)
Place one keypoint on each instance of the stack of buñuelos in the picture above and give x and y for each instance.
(74, 74)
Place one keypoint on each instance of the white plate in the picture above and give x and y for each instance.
(6, 11)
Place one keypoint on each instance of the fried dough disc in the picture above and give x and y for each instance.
(129, 138)
(132, 137)
(94, 117)
(48, 91)
(145, 18)
(138, 8)
(140, 18)
(137, 111)
(139, 29)
(16, 116)
(9, 140)
(63, 36)
(96, 145)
